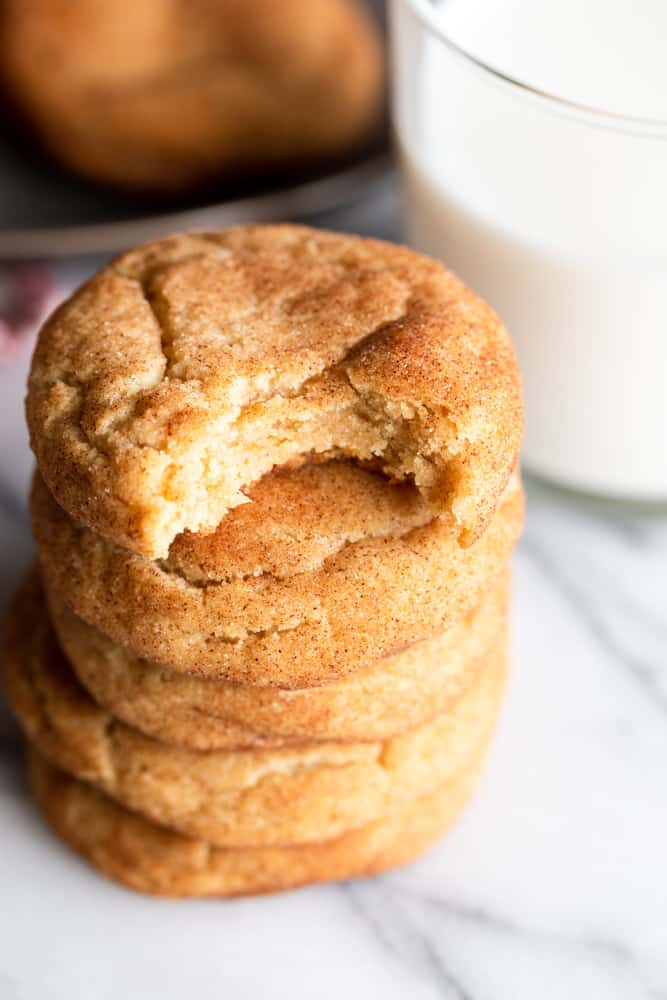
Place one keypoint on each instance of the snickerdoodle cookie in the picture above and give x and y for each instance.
(393, 694)
(249, 798)
(163, 94)
(185, 371)
(322, 573)
(152, 859)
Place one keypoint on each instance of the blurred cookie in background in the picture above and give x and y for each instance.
(166, 95)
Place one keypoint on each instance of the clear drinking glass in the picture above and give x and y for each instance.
(557, 214)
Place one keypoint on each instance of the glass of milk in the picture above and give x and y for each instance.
(533, 139)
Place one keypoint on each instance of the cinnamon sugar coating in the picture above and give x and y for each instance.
(236, 798)
(366, 585)
(151, 859)
(190, 367)
(390, 695)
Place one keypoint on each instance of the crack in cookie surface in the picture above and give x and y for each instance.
(202, 362)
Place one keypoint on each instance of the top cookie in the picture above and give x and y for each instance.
(162, 94)
(191, 366)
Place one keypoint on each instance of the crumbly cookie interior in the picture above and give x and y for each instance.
(190, 368)
(329, 417)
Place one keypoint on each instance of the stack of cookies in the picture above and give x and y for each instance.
(275, 503)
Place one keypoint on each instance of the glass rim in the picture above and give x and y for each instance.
(424, 10)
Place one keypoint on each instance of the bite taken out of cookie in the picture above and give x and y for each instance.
(190, 367)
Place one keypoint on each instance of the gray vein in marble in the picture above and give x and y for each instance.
(646, 673)
(401, 939)
(637, 531)
(639, 534)
(591, 947)
(641, 615)
(637, 523)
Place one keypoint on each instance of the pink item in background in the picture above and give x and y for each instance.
(28, 292)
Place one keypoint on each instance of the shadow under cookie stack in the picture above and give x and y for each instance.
(275, 504)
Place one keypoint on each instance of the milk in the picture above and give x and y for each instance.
(557, 217)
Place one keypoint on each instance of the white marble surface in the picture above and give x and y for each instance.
(553, 885)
